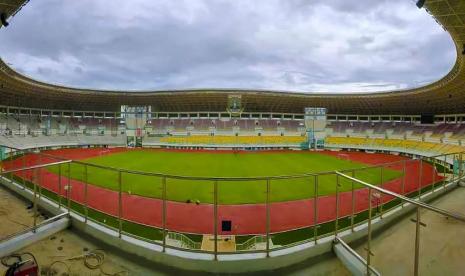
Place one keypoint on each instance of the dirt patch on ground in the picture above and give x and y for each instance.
(64, 254)
(15, 214)
(66, 249)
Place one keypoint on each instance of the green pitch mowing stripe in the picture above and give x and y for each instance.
(224, 165)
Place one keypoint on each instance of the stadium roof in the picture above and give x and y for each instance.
(11, 7)
(445, 96)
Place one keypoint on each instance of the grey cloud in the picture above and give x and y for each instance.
(298, 45)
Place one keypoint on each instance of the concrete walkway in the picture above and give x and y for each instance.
(442, 244)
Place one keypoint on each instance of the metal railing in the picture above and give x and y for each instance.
(34, 227)
(372, 271)
(250, 243)
(185, 241)
(415, 202)
(346, 184)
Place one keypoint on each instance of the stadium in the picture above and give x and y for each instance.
(237, 180)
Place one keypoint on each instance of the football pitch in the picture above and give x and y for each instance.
(224, 165)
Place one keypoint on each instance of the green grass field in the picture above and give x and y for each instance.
(224, 165)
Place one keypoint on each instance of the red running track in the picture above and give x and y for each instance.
(246, 218)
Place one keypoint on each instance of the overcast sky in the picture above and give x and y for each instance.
(294, 45)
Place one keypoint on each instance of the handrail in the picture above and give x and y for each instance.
(355, 254)
(32, 228)
(248, 243)
(35, 167)
(184, 239)
(404, 198)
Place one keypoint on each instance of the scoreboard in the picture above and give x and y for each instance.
(315, 118)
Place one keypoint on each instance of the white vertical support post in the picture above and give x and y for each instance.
(444, 172)
(268, 187)
(420, 180)
(215, 219)
(23, 174)
(336, 227)
(434, 174)
(120, 205)
(404, 171)
(86, 194)
(59, 186)
(163, 182)
(68, 188)
(460, 166)
(381, 194)
(11, 164)
(352, 217)
(34, 182)
(369, 231)
(315, 210)
(417, 243)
